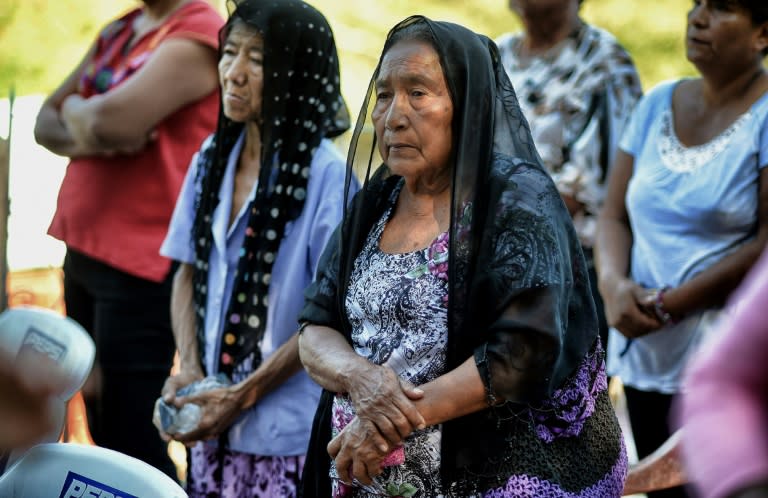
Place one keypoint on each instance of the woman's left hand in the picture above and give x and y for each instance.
(220, 408)
(356, 452)
(379, 395)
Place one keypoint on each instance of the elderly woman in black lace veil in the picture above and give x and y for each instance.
(451, 323)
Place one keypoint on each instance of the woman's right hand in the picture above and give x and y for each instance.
(381, 397)
(625, 308)
(378, 395)
(358, 452)
(174, 383)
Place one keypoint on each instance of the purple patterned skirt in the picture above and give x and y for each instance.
(241, 475)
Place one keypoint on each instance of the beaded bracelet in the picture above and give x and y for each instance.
(302, 325)
(658, 305)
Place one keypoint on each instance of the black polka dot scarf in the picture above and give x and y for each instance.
(301, 104)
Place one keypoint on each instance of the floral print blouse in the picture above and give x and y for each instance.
(397, 306)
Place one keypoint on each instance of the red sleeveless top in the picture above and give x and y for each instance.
(117, 209)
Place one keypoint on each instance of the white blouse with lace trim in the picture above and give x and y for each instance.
(681, 159)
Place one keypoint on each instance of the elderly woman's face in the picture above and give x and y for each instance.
(413, 111)
(241, 73)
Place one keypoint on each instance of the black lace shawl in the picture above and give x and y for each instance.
(519, 297)
(301, 104)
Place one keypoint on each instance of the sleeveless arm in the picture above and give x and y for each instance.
(179, 72)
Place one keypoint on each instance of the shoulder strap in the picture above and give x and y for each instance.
(598, 104)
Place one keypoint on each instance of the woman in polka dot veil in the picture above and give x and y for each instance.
(259, 202)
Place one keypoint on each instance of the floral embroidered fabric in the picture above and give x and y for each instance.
(682, 159)
(241, 475)
(552, 443)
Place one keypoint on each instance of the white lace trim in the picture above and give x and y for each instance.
(681, 159)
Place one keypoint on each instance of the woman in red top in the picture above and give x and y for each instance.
(130, 116)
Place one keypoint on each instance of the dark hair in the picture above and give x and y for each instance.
(758, 10)
(239, 13)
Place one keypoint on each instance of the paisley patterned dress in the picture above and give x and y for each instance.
(396, 305)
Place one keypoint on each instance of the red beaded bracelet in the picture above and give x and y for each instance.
(658, 305)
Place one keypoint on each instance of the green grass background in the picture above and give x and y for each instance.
(42, 40)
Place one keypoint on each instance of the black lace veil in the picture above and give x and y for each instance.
(519, 298)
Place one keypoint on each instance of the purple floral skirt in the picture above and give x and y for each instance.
(241, 475)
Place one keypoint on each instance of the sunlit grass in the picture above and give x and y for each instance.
(42, 40)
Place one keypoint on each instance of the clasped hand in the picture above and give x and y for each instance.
(630, 309)
(386, 415)
(219, 408)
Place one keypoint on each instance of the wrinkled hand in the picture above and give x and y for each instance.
(358, 452)
(173, 384)
(630, 309)
(220, 408)
(381, 397)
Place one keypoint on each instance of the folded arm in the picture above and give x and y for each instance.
(50, 129)
(179, 72)
(377, 393)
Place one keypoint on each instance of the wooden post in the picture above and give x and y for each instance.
(5, 168)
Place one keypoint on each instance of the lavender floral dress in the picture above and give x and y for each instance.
(232, 474)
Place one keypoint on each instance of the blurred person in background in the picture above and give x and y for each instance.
(130, 116)
(576, 86)
(725, 442)
(686, 213)
(29, 408)
(258, 205)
